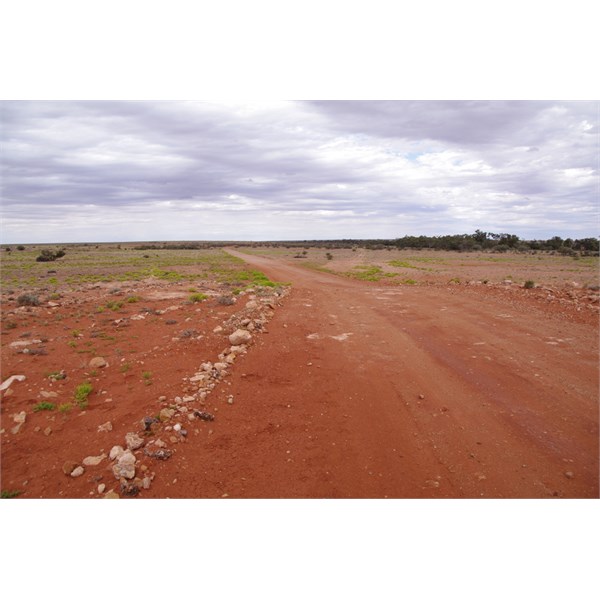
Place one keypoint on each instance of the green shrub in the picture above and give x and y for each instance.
(28, 300)
(8, 494)
(529, 284)
(65, 407)
(43, 406)
(82, 392)
(198, 297)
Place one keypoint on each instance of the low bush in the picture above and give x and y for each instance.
(82, 392)
(28, 300)
(198, 297)
(43, 406)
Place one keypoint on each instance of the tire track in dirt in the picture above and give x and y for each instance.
(364, 391)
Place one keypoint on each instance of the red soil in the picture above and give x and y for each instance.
(357, 390)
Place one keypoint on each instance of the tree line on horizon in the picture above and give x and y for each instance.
(478, 241)
(467, 242)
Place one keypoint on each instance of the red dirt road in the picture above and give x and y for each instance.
(365, 391)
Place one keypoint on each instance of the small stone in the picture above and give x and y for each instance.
(97, 363)
(166, 413)
(48, 431)
(129, 488)
(92, 461)
(125, 467)
(205, 416)
(19, 418)
(77, 472)
(147, 422)
(160, 454)
(240, 336)
(230, 400)
(47, 395)
(105, 427)
(133, 441)
(101, 488)
(421, 397)
(218, 329)
(111, 495)
(221, 367)
(69, 467)
(6, 384)
(116, 452)
(146, 483)
(569, 474)
(177, 427)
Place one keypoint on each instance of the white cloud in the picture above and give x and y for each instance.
(173, 170)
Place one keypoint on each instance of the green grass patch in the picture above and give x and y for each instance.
(198, 297)
(44, 406)
(10, 494)
(81, 394)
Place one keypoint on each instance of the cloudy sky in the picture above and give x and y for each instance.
(118, 171)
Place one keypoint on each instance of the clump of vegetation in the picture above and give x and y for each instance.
(82, 392)
(198, 298)
(188, 333)
(10, 494)
(50, 256)
(329, 256)
(114, 305)
(65, 407)
(226, 300)
(10, 325)
(43, 406)
(529, 284)
(28, 300)
(147, 376)
(132, 299)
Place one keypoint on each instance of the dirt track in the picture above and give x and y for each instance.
(364, 391)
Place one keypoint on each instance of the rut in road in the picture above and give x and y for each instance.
(365, 391)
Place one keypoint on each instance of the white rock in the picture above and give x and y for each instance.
(218, 329)
(6, 384)
(240, 336)
(77, 472)
(133, 441)
(125, 466)
(101, 488)
(105, 427)
(116, 452)
(97, 363)
(92, 461)
(177, 427)
(221, 367)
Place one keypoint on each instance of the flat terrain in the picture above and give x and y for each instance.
(424, 383)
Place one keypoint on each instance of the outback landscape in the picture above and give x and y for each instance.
(306, 370)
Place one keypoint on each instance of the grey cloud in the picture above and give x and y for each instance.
(164, 161)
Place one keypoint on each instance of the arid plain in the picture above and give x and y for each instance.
(302, 372)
